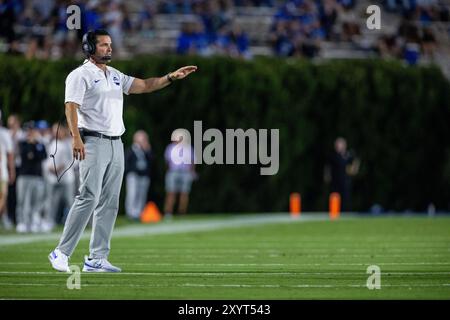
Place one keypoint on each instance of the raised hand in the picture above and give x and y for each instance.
(182, 72)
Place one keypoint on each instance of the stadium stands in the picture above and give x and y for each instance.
(416, 31)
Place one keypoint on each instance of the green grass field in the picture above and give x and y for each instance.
(245, 257)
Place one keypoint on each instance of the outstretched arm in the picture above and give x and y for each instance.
(153, 84)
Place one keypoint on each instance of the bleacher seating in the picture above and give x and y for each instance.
(257, 22)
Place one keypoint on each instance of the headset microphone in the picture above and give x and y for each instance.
(101, 59)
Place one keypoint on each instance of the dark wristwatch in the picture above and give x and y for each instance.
(169, 78)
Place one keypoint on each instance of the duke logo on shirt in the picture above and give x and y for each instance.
(116, 81)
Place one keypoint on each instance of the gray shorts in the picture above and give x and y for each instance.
(178, 181)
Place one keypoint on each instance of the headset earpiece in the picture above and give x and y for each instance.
(88, 43)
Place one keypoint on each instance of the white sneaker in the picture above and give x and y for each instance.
(36, 223)
(47, 226)
(99, 265)
(21, 228)
(35, 228)
(59, 261)
(7, 224)
(168, 216)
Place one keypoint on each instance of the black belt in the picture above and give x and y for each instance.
(98, 135)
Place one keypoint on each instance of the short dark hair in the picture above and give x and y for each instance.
(100, 32)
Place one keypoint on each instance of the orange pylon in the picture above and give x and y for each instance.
(295, 204)
(150, 213)
(335, 205)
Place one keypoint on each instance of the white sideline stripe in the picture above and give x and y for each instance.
(255, 273)
(394, 264)
(178, 227)
(201, 285)
(256, 264)
(284, 264)
(198, 255)
(201, 251)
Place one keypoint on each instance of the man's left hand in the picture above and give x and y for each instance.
(182, 72)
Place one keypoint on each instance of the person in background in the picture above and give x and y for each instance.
(2, 186)
(30, 184)
(342, 166)
(8, 171)
(180, 159)
(17, 135)
(45, 137)
(137, 170)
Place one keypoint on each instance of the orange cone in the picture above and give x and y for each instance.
(295, 204)
(150, 213)
(335, 205)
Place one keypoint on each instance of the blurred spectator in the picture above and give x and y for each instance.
(214, 18)
(45, 132)
(60, 194)
(341, 167)
(329, 11)
(17, 135)
(30, 184)
(389, 46)
(145, 22)
(444, 12)
(347, 4)
(411, 53)
(137, 171)
(8, 18)
(409, 32)
(93, 15)
(1, 164)
(57, 22)
(3, 184)
(185, 41)
(35, 30)
(8, 176)
(350, 29)
(427, 11)
(233, 42)
(254, 3)
(428, 42)
(300, 27)
(113, 20)
(177, 6)
(281, 41)
(193, 40)
(180, 160)
(315, 35)
(390, 5)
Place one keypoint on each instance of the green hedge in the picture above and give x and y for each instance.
(396, 118)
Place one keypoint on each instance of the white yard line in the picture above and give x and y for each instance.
(394, 264)
(231, 285)
(176, 227)
(221, 274)
(255, 264)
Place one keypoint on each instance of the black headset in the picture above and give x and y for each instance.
(88, 43)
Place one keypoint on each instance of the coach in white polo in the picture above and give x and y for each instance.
(94, 107)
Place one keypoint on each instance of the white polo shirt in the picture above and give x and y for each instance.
(100, 96)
